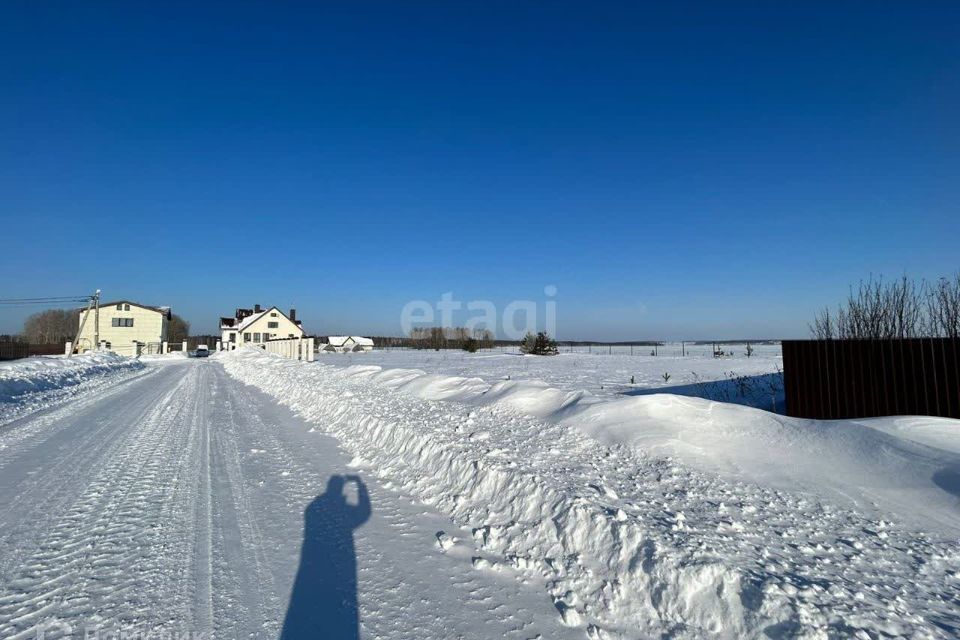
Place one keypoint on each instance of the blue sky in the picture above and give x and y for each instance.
(678, 171)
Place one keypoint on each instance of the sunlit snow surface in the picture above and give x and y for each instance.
(177, 502)
(510, 497)
(656, 515)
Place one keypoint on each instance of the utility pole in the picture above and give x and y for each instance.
(83, 321)
(96, 318)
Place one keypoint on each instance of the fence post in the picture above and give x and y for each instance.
(310, 354)
(68, 348)
(184, 346)
(218, 345)
(164, 347)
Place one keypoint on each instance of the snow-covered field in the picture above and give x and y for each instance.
(172, 496)
(600, 370)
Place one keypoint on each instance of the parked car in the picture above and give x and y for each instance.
(202, 351)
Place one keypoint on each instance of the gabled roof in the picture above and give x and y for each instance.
(339, 341)
(164, 310)
(246, 322)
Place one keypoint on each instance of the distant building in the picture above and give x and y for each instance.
(256, 326)
(345, 344)
(123, 325)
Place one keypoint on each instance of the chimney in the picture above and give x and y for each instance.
(256, 308)
(293, 315)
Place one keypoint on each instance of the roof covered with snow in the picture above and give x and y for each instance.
(340, 341)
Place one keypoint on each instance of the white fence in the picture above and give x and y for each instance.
(292, 348)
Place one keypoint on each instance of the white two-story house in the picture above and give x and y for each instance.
(256, 326)
(123, 326)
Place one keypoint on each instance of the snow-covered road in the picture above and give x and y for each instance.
(173, 502)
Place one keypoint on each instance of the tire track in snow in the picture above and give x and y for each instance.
(92, 566)
(38, 485)
(26, 431)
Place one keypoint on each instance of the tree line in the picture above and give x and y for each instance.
(451, 338)
(903, 308)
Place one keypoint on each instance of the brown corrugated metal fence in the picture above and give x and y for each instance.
(15, 350)
(832, 379)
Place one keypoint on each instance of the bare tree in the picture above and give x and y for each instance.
(484, 338)
(51, 326)
(903, 308)
(943, 307)
(178, 329)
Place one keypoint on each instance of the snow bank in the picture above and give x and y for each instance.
(896, 465)
(33, 383)
(628, 541)
(893, 466)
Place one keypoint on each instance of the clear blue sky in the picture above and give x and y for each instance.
(675, 170)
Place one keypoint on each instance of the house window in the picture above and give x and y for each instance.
(256, 337)
(126, 307)
(119, 307)
(246, 337)
(290, 335)
(273, 325)
(273, 314)
(233, 337)
(121, 322)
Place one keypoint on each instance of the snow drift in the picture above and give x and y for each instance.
(33, 383)
(897, 466)
(661, 521)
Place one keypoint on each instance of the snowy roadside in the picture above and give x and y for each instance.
(631, 541)
(37, 383)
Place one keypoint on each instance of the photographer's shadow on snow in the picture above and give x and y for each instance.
(323, 603)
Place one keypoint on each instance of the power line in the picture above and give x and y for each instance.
(7, 303)
(45, 299)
